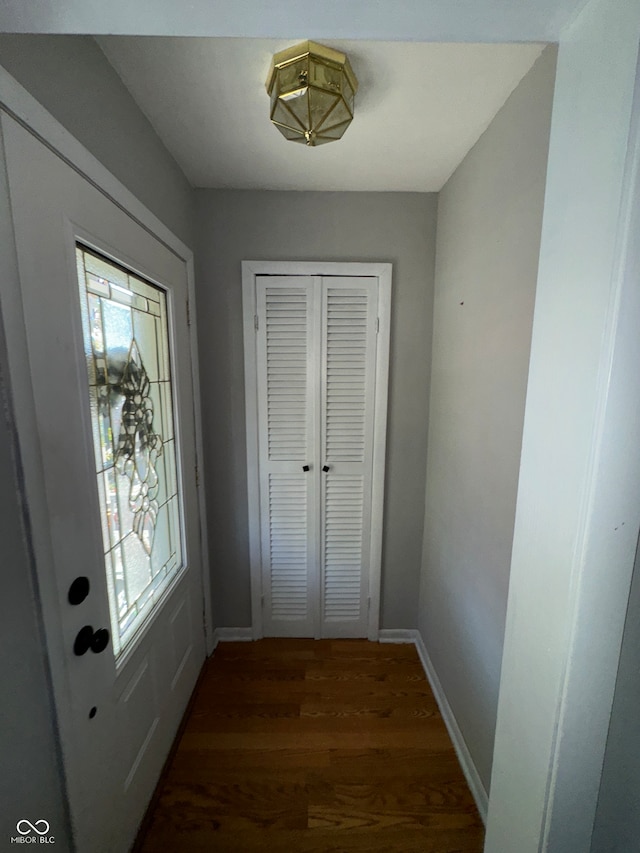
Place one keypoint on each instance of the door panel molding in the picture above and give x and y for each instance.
(382, 272)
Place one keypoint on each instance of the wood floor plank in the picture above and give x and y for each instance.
(402, 708)
(296, 725)
(436, 739)
(399, 840)
(388, 766)
(305, 746)
(233, 806)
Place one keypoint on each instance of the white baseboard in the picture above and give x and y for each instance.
(397, 635)
(409, 635)
(462, 750)
(232, 635)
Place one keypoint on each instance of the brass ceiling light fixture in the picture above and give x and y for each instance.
(312, 88)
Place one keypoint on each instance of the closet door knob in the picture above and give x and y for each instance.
(325, 468)
(305, 467)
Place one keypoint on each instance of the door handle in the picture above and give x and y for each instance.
(87, 639)
(325, 468)
(305, 467)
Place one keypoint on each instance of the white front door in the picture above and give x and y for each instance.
(110, 478)
(316, 367)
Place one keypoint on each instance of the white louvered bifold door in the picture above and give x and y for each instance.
(349, 318)
(316, 374)
(288, 396)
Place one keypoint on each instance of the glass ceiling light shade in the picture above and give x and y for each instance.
(312, 88)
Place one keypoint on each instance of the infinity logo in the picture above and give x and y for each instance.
(31, 827)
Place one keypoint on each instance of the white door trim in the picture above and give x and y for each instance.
(250, 269)
(23, 107)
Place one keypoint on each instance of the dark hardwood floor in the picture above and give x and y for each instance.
(313, 746)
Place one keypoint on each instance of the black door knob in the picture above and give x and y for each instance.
(305, 467)
(87, 639)
(100, 641)
(78, 590)
(325, 468)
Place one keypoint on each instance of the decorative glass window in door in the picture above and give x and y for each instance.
(126, 342)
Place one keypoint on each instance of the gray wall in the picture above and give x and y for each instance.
(244, 225)
(617, 823)
(71, 77)
(489, 223)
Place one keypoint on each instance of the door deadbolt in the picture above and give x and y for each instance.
(79, 590)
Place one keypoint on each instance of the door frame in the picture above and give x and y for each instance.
(19, 104)
(381, 271)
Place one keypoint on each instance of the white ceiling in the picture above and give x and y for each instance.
(402, 20)
(419, 109)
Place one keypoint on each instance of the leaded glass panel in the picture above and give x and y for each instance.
(126, 342)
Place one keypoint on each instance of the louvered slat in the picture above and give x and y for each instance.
(286, 345)
(349, 344)
(343, 525)
(288, 546)
(346, 362)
